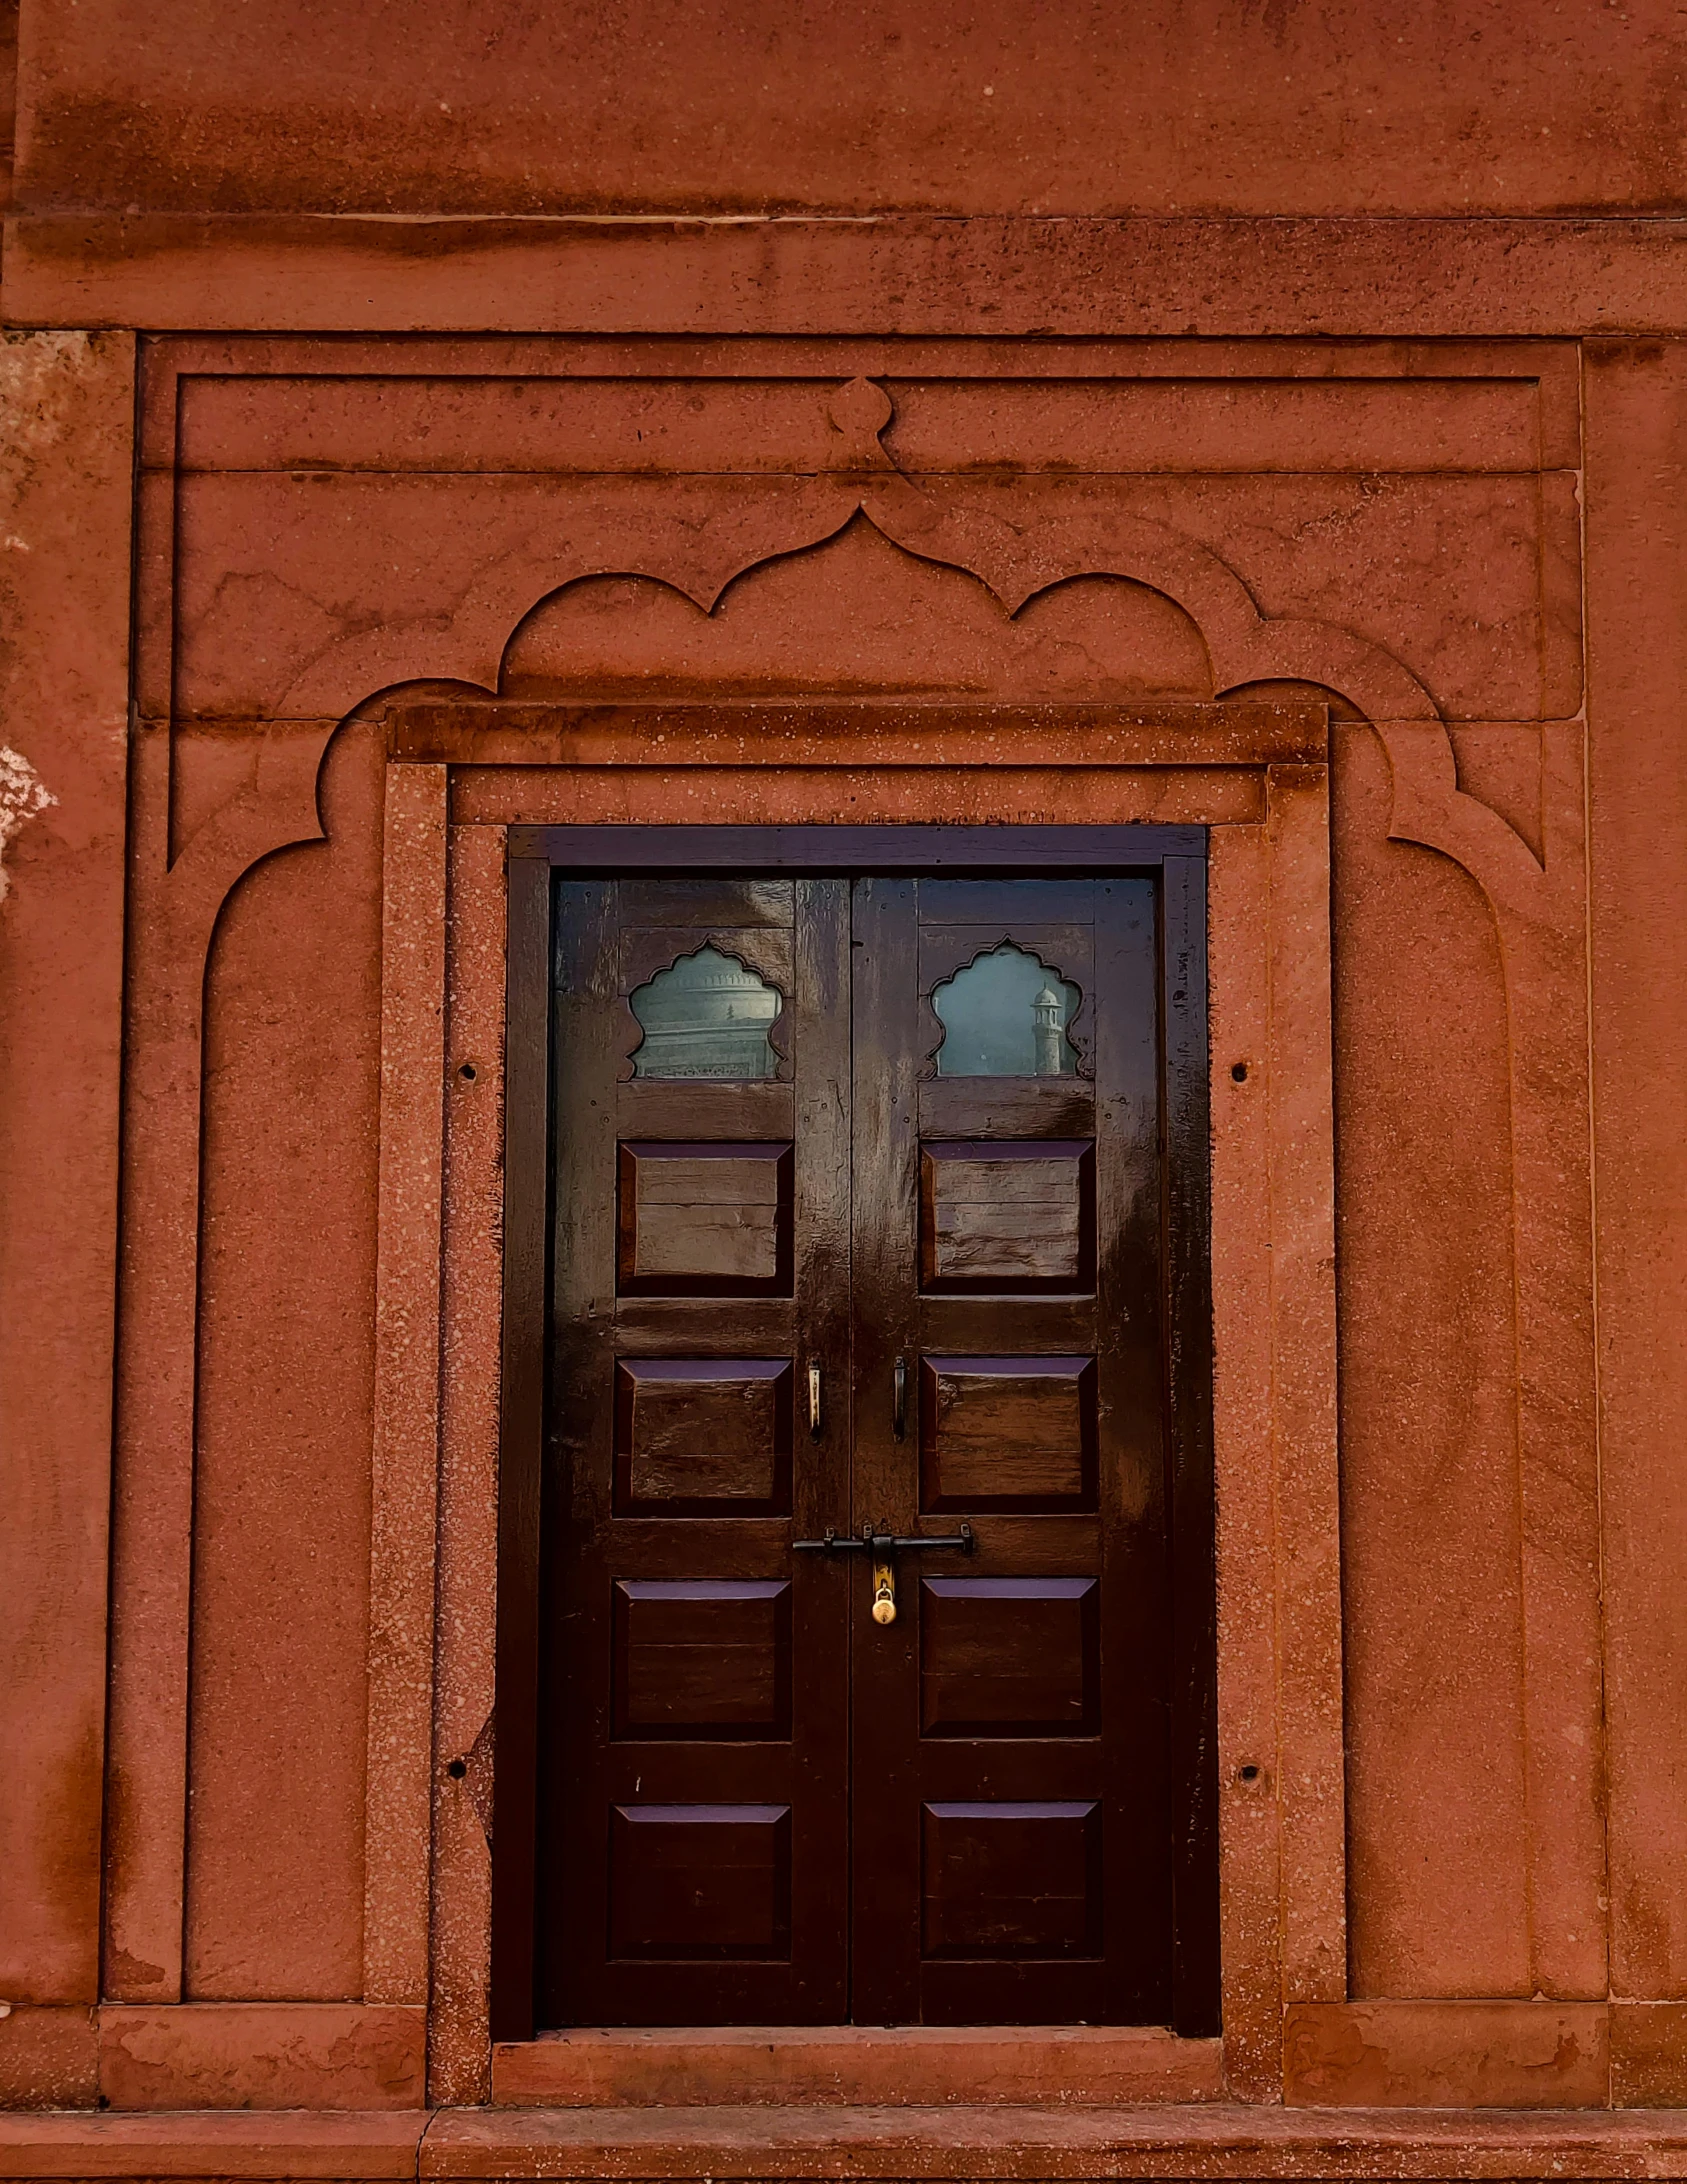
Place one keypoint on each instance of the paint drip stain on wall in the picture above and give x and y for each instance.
(23, 795)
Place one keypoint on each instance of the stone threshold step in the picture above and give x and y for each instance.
(1216, 2139)
(920, 2066)
(883, 2144)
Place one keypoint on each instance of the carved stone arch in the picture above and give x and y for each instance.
(697, 538)
(1246, 646)
(913, 627)
(994, 533)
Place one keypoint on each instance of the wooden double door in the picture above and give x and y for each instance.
(867, 1692)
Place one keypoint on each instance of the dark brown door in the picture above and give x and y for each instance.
(861, 1215)
(693, 1733)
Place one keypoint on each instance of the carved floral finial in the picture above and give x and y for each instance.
(860, 410)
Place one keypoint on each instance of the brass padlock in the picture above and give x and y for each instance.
(884, 1593)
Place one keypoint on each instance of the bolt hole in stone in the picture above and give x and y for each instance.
(467, 1073)
(706, 1016)
(457, 1769)
(1006, 1015)
(1239, 1070)
(1247, 1774)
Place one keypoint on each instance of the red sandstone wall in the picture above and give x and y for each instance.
(1449, 528)
(1183, 106)
(64, 626)
(1637, 640)
(1430, 1543)
(286, 1369)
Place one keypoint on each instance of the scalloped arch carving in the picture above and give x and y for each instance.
(1016, 552)
(856, 614)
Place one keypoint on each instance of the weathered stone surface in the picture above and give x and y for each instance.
(990, 355)
(683, 110)
(66, 424)
(293, 2055)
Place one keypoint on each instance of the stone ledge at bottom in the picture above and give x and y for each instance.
(212, 2142)
(1213, 2139)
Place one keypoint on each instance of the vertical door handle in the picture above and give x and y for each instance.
(899, 1399)
(814, 1400)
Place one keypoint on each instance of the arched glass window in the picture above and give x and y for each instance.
(1006, 1015)
(708, 1015)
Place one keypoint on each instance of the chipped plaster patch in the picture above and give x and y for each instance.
(36, 370)
(23, 795)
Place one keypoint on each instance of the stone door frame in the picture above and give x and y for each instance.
(449, 927)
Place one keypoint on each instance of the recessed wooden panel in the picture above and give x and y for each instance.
(647, 953)
(1009, 1656)
(708, 899)
(702, 1658)
(700, 1881)
(648, 1107)
(1011, 1218)
(1011, 1878)
(701, 1219)
(1008, 1433)
(1006, 1107)
(701, 1435)
(1006, 901)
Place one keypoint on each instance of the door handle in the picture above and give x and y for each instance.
(814, 1400)
(899, 1399)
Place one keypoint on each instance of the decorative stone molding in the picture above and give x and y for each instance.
(1017, 538)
